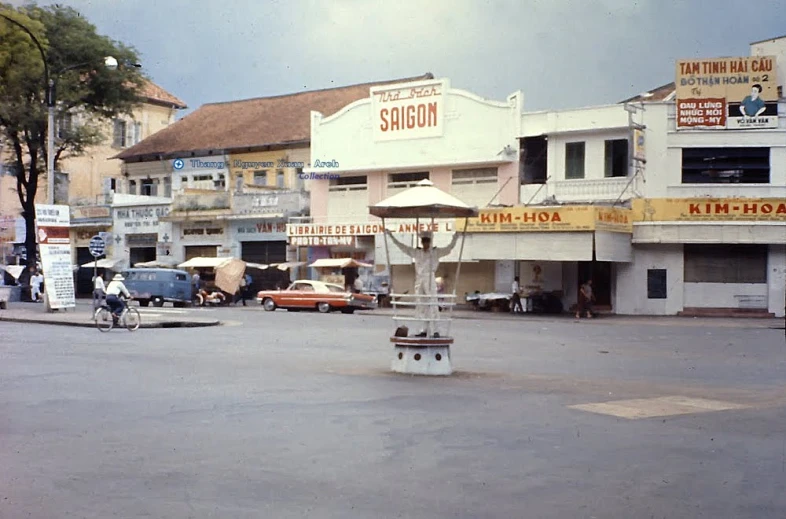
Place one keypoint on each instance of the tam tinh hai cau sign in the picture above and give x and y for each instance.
(727, 93)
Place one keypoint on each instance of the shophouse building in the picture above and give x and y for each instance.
(709, 233)
(665, 216)
(387, 141)
(236, 173)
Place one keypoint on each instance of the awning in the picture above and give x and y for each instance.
(203, 263)
(339, 263)
(763, 233)
(288, 265)
(252, 216)
(104, 263)
(162, 263)
(14, 270)
(537, 246)
(613, 246)
(101, 223)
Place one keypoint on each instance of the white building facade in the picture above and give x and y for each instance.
(401, 134)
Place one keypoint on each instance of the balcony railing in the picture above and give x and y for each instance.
(201, 201)
(593, 189)
(268, 202)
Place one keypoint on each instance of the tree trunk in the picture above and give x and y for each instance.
(30, 234)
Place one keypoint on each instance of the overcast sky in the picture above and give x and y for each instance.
(560, 53)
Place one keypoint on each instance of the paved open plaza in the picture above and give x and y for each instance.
(296, 415)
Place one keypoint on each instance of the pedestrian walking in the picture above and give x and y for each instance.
(515, 297)
(586, 298)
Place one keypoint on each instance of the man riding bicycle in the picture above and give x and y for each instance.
(113, 291)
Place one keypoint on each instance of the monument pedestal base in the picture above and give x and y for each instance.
(422, 356)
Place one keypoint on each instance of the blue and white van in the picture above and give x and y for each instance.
(158, 286)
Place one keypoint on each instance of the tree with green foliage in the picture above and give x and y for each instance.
(93, 94)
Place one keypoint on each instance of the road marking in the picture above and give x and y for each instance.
(661, 406)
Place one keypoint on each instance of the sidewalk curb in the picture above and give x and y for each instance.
(90, 324)
(613, 320)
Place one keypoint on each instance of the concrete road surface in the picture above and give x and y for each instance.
(294, 415)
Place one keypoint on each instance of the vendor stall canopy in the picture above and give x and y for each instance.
(339, 263)
(105, 263)
(203, 263)
(423, 201)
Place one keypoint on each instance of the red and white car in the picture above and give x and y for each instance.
(306, 294)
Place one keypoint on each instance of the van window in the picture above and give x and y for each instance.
(129, 275)
(181, 277)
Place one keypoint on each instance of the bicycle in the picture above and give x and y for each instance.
(129, 318)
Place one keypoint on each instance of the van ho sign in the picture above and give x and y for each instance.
(408, 110)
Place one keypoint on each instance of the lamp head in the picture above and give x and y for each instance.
(110, 63)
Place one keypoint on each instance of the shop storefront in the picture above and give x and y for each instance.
(706, 256)
(553, 250)
(87, 222)
(138, 233)
(202, 238)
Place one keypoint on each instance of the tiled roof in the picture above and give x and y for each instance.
(152, 92)
(252, 123)
(662, 93)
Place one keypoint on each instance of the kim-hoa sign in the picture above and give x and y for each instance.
(408, 110)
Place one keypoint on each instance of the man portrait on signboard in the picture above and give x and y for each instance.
(753, 105)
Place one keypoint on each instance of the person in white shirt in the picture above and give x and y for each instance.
(35, 286)
(113, 291)
(99, 291)
(515, 296)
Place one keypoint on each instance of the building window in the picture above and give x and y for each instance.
(474, 176)
(239, 182)
(280, 178)
(132, 187)
(119, 134)
(221, 182)
(354, 183)
(406, 179)
(260, 177)
(617, 158)
(725, 165)
(167, 187)
(65, 126)
(148, 188)
(533, 159)
(656, 284)
(725, 263)
(574, 160)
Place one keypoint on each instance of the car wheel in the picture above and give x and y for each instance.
(348, 310)
(158, 301)
(268, 304)
(323, 307)
(144, 302)
(179, 304)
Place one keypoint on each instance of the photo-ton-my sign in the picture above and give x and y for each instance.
(408, 110)
(727, 93)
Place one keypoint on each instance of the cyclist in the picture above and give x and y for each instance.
(115, 288)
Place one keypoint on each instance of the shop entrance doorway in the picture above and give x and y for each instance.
(600, 274)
